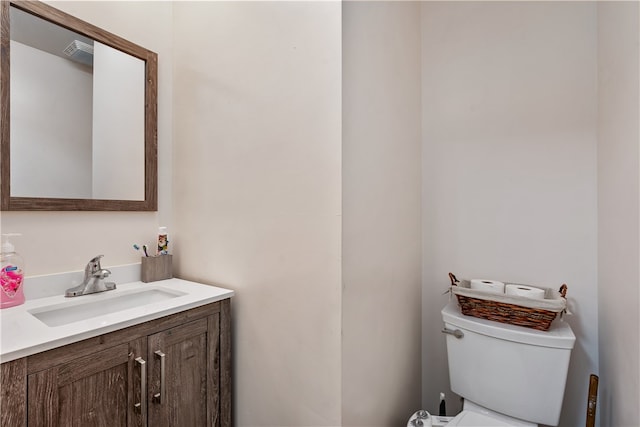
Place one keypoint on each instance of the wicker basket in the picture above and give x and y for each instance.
(515, 310)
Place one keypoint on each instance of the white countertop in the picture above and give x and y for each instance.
(22, 334)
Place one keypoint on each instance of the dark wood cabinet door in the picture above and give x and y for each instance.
(98, 390)
(184, 366)
(13, 393)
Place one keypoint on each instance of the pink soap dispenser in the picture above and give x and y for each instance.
(11, 274)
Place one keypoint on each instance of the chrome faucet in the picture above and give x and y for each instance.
(93, 282)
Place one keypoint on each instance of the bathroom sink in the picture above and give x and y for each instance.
(90, 306)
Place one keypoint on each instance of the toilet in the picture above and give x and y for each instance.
(507, 375)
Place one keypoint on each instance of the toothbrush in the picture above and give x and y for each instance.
(144, 249)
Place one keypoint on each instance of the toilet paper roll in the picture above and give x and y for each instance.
(524, 291)
(488, 285)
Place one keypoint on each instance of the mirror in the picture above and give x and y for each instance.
(79, 114)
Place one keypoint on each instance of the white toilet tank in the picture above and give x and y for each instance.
(513, 370)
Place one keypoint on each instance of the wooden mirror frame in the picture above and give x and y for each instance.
(48, 13)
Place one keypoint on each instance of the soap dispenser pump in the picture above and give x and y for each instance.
(11, 274)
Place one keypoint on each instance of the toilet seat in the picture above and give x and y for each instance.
(474, 419)
(476, 416)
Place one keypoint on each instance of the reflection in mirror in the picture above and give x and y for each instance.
(77, 110)
(83, 115)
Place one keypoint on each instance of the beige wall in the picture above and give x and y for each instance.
(509, 164)
(381, 264)
(618, 212)
(257, 194)
(64, 241)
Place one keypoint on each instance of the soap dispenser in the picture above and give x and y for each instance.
(11, 274)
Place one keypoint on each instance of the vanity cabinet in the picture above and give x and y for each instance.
(173, 371)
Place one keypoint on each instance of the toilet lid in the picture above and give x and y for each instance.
(474, 419)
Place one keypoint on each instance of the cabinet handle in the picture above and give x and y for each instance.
(142, 405)
(160, 397)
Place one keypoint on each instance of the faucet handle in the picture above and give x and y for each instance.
(94, 263)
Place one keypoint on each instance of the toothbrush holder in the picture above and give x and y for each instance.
(156, 268)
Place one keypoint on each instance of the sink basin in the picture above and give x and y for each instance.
(94, 305)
